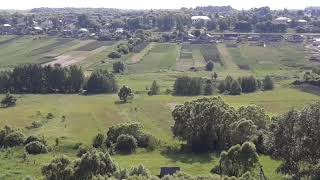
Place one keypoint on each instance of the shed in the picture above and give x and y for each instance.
(168, 171)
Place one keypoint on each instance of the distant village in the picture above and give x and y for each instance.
(195, 25)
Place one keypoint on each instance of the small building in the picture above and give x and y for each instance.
(283, 20)
(302, 22)
(168, 171)
(196, 19)
(295, 38)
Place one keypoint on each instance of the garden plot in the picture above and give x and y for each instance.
(210, 52)
(95, 45)
(74, 57)
(140, 51)
(190, 57)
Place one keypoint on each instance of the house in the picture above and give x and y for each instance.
(253, 38)
(302, 22)
(230, 37)
(295, 38)
(37, 30)
(168, 171)
(271, 37)
(283, 20)
(6, 29)
(196, 19)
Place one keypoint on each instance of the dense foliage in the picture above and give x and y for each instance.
(101, 82)
(125, 93)
(10, 137)
(126, 144)
(188, 86)
(33, 78)
(36, 147)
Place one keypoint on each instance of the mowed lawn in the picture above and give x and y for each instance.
(161, 57)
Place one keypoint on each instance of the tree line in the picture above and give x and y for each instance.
(32, 78)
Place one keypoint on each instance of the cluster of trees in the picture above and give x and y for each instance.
(125, 139)
(10, 137)
(312, 78)
(101, 81)
(98, 165)
(191, 86)
(119, 67)
(209, 124)
(125, 48)
(32, 78)
(246, 84)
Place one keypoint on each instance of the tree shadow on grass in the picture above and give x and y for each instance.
(121, 102)
(188, 157)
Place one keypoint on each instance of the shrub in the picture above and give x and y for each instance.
(81, 151)
(93, 163)
(15, 138)
(35, 138)
(148, 141)
(59, 168)
(8, 100)
(188, 86)
(126, 144)
(123, 48)
(267, 83)
(36, 147)
(134, 129)
(139, 171)
(114, 54)
(248, 84)
(98, 140)
(208, 88)
(118, 67)
(209, 66)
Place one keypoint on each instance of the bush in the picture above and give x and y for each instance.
(8, 100)
(35, 138)
(118, 67)
(98, 141)
(125, 93)
(81, 151)
(126, 144)
(209, 66)
(15, 138)
(36, 147)
(148, 141)
(59, 168)
(139, 171)
(114, 54)
(222, 86)
(208, 88)
(267, 83)
(188, 86)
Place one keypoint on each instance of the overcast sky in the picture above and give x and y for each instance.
(157, 4)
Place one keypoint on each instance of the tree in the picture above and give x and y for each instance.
(256, 114)
(75, 79)
(101, 82)
(296, 135)
(134, 129)
(222, 86)
(211, 25)
(188, 86)
(243, 26)
(140, 170)
(208, 88)
(126, 144)
(235, 88)
(35, 138)
(36, 147)
(244, 130)
(125, 93)
(93, 163)
(248, 84)
(119, 67)
(98, 140)
(209, 66)
(8, 101)
(267, 83)
(114, 54)
(215, 76)
(59, 168)
(204, 124)
(155, 89)
(238, 160)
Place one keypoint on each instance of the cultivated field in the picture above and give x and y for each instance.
(163, 62)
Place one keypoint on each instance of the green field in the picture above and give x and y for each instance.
(88, 115)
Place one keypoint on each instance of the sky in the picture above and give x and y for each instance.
(157, 4)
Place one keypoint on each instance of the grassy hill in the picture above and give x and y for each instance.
(85, 116)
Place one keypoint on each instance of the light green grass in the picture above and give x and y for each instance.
(161, 57)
